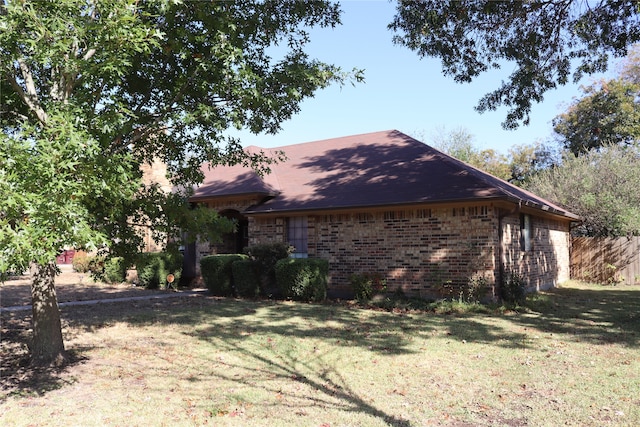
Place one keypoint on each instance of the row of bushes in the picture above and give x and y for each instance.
(266, 270)
(153, 268)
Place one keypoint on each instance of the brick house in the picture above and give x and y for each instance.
(386, 203)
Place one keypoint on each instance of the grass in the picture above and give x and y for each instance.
(571, 357)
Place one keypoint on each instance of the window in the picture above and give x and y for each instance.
(526, 232)
(297, 235)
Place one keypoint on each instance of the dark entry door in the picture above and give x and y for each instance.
(242, 235)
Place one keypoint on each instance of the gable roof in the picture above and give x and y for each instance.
(375, 169)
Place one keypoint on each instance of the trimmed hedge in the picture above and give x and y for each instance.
(153, 268)
(217, 274)
(266, 256)
(246, 278)
(303, 279)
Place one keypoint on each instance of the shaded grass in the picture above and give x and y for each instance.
(570, 356)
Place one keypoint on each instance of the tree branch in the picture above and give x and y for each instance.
(89, 54)
(145, 131)
(30, 96)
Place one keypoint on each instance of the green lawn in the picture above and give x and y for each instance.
(572, 358)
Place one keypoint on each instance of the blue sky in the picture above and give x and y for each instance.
(402, 91)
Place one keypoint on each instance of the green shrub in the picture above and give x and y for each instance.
(115, 270)
(266, 256)
(80, 262)
(475, 289)
(365, 285)
(303, 279)
(96, 267)
(108, 269)
(217, 274)
(513, 288)
(245, 278)
(153, 268)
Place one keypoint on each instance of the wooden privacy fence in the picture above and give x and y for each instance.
(606, 260)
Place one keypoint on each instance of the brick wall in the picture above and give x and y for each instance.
(267, 230)
(547, 263)
(427, 252)
(417, 250)
(154, 173)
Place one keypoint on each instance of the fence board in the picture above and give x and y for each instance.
(606, 260)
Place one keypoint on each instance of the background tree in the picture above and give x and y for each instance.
(522, 161)
(599, 176)
(600, 186)
(629, 68)
(458, 142)
(92, 90)
(527, 160)
(493, 162)
(549, 42)
(607, 113)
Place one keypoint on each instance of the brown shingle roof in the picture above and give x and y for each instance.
(375, 169)
(231, 180)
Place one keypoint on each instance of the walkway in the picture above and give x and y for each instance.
(190, 293)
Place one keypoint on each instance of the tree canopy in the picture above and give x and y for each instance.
(527, 160)
(599, 186)
(548, 42)
(93, 89)
(607, 113)
(518, 166)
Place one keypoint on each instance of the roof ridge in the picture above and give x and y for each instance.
(270, 153)
(388, 131)
(274, 173)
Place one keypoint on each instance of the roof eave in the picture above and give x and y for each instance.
(261, 194)
(545, 208)
(527, 203)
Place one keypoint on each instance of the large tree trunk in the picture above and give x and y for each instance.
(47, 346)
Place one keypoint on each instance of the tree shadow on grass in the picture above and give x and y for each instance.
(230, 320)
(333, 391)
(18, 377)
(595, 315)
(591, 314)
